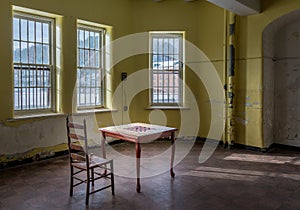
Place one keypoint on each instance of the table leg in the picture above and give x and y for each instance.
(138, 163)
(173, 153)
(103, 149)
(103, 145)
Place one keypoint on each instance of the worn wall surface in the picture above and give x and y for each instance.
(287, 84)
(36, 137)
(281, 73)
(253, 112)
(206, 28)
(31, 136)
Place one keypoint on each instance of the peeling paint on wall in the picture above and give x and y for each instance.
(241, 121)
(287, 85)
(37, 134)
(32, 155)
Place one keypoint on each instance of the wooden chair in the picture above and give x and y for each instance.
(84, 166)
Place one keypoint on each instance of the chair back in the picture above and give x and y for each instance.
(77, 141)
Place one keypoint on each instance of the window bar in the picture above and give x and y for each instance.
(78, 85)
(21, 77)
(36, 89)
(27, 89)
(84, 69)
(90, 87)
(180, 70)
(169, 71)
(163, 74)
(158, 73)
(78, 68)
(43, 85)
(172, 71)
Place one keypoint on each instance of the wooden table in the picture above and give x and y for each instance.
(139, 133)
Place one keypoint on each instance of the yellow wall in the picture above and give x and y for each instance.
(249, 87)
(204, 25)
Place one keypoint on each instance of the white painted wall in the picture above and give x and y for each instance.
(282, 81)
(40, 134)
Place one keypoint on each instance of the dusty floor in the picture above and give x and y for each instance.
(230, 179)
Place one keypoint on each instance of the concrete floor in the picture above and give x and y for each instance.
(230, 179)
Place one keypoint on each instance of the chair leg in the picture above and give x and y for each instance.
(87, 187)
(112, 178)
(92, 171)
(112, 184)
(71, 181)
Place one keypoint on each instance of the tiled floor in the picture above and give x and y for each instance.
(230, 179)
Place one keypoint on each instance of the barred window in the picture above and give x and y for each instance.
(33, 67)
(166, 68)
(90, 67)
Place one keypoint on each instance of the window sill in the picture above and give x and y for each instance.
(83, 111)
(168, 107)
(33, 116)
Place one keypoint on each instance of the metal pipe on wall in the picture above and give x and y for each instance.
(230, 82)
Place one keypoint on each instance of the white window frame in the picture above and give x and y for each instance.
(31, 102)
(100, 80)
(159, 69)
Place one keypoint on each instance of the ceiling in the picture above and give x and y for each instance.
(239, 7)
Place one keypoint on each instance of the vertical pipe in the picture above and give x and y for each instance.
(225, 54)
(230, 82)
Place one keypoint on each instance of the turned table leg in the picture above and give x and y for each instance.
(173, 153)
(138, 162)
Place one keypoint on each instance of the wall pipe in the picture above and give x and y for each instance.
(230, 124)
(225, 59)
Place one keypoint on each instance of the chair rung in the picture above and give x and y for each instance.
(76, 157)
(103, 188)
(77, 137)
(76, 147)
(75, 125)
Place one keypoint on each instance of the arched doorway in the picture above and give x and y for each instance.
(281, 79)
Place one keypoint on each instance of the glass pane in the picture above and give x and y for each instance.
(92, 58)
(81, 38)
(39, 51)
(24, 31)
(92, 40)
(171, 46)
(176, 46)
(16, 29)
(86, 58)
(31, 31)
(97, 41)
(46, 78)
(24, 52)
(81, 58)
(39, 78)
(46, 54)
(97, 59)
(86, 39)
(17, 51)
(160, 46)
(46, 33)
(31, 53)
(38, 32)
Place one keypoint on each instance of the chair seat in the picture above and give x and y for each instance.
(95, 161)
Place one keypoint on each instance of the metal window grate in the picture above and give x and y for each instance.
(166, 63)
(90, 67)
(32, 63)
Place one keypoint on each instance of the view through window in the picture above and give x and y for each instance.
(90, 65)
(166, 68)
(32, 62)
